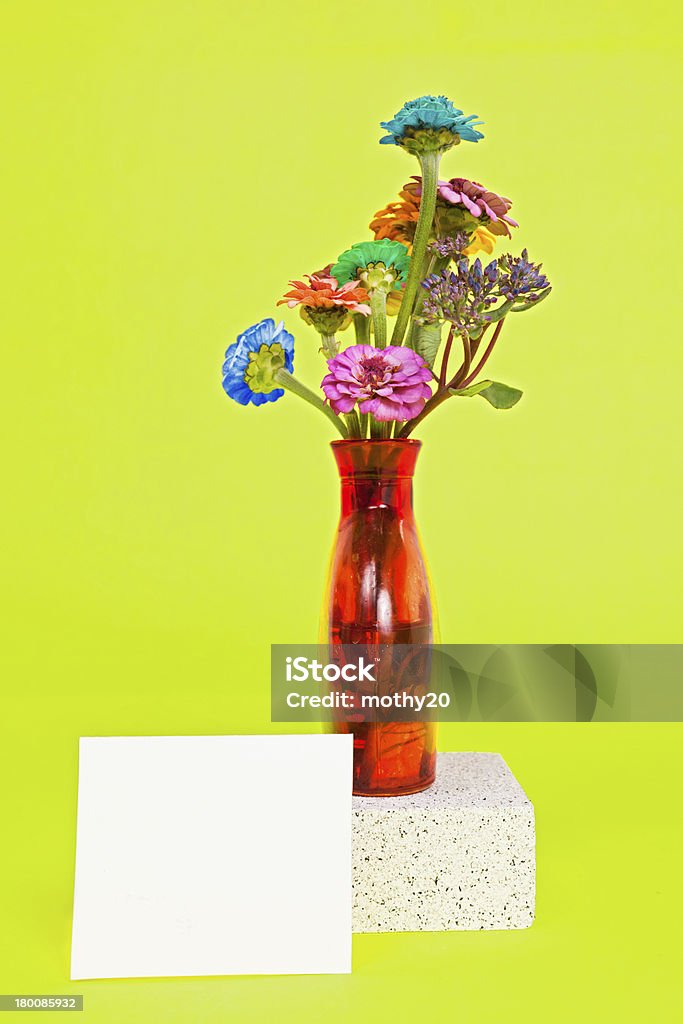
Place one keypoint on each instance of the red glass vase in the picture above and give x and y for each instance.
(378, 593)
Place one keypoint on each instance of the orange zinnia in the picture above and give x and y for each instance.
(324, 292)
(397, 220)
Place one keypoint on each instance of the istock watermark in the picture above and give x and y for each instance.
(340, 690)
(301, 670)
(348, 687)
(358, 683)
(467, 682)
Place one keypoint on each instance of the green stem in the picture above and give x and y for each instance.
(364, 419)
(329, 345)
(285, 379)
(429, 163)
(428, 264)
(361, 324)
(353, 423)
(437, 265)
(378, 305)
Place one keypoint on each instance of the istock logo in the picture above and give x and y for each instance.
(299, 670)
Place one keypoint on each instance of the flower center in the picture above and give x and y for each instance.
(428, 140)
(260, 373)
(375, 370)
(376, 275)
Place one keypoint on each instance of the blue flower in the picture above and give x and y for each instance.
(432, 116)
(253, 360)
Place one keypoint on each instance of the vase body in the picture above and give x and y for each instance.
(378, 593)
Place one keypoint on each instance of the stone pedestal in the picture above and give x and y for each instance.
(459, 856)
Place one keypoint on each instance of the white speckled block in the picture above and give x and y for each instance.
(459, 856)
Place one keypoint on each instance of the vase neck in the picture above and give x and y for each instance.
(376, 474)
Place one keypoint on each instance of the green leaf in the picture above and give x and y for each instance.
(500, 396)
(492, 316)
(473, 389)
(519, 308)
(425, 339)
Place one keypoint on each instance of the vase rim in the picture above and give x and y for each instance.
(404, 442)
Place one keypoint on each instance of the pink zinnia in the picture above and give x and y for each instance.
(480, 202)
(391, 383)
(488, 207)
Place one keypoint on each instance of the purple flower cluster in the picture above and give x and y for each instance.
(470, 296)
(450, 246)
(462, 297)
(520, 279)
(390, 383)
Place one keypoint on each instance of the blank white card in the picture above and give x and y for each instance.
(203, 855)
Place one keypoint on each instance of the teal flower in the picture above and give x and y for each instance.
(430, 123)
(253, 360)
(382, 264)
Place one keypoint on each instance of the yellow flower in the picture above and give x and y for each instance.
(394, 300)
(482, 241)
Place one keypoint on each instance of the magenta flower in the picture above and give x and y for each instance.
(391, 383)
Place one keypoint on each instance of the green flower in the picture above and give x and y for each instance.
(377, 265)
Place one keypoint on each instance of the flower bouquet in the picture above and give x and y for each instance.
(421, 273)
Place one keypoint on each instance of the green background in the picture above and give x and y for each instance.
(168, 167)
